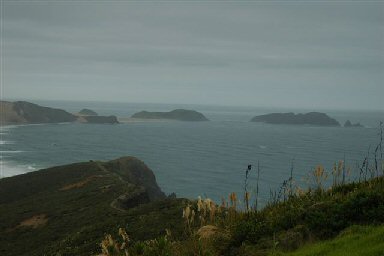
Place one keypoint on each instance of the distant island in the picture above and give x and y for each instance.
(177, 114)
(87, 112)
(89, 116)
(23, 112)
(98, 119)
(311, 118)
(348, 124)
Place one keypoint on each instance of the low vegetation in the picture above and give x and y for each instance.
(301, 220)
(353, 241)
(67, 210)
(70, 210)
(324, 219)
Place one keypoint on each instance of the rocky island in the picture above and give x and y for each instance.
(311, 118)
(71, 207)
(177, 114)
(23, 112)
(348, 124)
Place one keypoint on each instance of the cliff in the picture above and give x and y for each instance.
(177, 114)
(311, 118)
(128, 170)
(66, 209)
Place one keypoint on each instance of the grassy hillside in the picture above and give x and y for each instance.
(294, 226)
(307, 217)
(354, 241)
(67, 210)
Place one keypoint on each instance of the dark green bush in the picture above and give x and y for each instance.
(252, 229)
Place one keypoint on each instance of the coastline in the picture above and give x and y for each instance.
(10, 170)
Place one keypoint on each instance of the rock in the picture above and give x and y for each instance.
(135, 171)
(348, 124)
(311, 118)
(177, 114)
(132, 199)
(87, 112)
(172, 195)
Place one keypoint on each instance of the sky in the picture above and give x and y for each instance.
(294, 54)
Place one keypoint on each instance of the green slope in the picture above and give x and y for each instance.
(74, 204)
(354, 241)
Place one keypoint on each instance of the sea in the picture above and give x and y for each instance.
(191, 159)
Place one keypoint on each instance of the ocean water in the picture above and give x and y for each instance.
(193, 158)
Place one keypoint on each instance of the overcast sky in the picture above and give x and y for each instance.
(279, 54)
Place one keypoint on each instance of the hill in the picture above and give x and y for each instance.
(343, 220)
(23, 112)
(311, 118)
(66, 210)
(177, 114)
(316, 215)
(87, 112)
(98, 119)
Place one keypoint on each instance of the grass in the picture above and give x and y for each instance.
(297, 226)
(354, 241)
(313, 216)
(78, 218)
(69, 211)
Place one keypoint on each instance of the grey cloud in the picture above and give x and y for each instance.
(184, 47)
